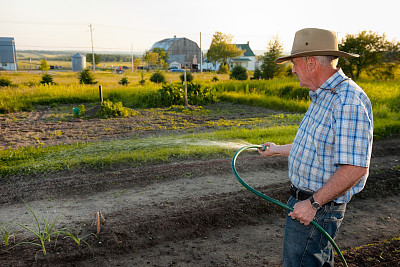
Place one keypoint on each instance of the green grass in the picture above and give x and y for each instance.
(136, 152)
(278, 94)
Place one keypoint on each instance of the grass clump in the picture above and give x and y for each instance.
(5, 82)
(7, 233)
(42, 230)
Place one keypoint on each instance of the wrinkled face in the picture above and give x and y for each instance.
(300, 70)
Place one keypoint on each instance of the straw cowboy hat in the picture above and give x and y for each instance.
(314, 42)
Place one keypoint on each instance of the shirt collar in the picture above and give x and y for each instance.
(330, 83)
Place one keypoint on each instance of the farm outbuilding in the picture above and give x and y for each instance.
(78, 62)
(8, 58)
(181, 50)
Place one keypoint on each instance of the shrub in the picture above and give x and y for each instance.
(109, 109)
(223, 69)
(239, 73)
(82, 110)
(170, 95)
(86, 77)
(142, 81)
(257, 74)
(189, 77)
(124, 81)
(157, 77)
(47, 79)
(5, 82)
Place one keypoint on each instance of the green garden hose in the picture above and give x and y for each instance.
(278, 202)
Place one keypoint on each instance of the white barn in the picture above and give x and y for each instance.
(8, 57)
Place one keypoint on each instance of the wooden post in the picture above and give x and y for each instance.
(101, 93)
(186, 98)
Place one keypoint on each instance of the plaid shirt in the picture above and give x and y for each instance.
(337, 129)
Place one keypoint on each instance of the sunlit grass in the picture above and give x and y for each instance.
(135, 152)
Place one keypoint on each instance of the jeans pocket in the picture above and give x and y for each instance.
(331, 224)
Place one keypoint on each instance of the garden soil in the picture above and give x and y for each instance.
(184, 213)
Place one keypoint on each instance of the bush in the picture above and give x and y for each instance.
(109, 109)
(157, 77)
(257, 74)
(86, 77)
(189, 77)
(223, 69)
(170, 95)
(124, 81)
(47, 79)
(239, 73)
(142, 81)
(5, 82)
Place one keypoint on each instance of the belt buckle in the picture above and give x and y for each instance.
(297, 193)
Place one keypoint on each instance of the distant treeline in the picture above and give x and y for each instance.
(108, 58)
(66, 56)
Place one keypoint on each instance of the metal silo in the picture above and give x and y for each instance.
(78, 62)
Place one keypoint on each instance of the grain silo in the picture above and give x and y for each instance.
(78, 62)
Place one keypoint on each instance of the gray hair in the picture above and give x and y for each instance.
(327, 60)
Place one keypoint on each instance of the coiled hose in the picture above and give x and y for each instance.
(262, 147)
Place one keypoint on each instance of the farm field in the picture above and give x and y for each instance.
(184, 211)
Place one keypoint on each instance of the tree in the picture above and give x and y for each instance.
(157, 77)
(156, 57)
(269, 69)
(44, 67)
(89, 58)
(86, 77)
(47, 79)
(377, 54)
(221, 49)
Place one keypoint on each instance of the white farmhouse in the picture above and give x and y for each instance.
(247, 60)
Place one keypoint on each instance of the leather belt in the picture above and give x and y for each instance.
(303, 195)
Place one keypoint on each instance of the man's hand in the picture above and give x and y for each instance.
(269, 150)
(303, 212)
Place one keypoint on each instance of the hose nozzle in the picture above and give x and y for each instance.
(263, 147)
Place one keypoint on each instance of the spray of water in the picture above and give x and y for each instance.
(224, 144)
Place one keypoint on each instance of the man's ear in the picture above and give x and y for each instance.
(311, 63)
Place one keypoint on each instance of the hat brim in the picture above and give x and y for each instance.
(281, 60)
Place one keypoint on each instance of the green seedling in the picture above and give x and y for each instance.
(42, 231)
(7, 233)
(78, 239)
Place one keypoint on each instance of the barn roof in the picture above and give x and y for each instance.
(6, 49)
(166, 43)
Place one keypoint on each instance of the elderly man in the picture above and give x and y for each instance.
(330, 155)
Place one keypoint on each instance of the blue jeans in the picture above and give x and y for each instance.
(306, 245)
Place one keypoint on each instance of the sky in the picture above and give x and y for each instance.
(133, 25)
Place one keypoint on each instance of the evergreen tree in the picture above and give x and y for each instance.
(269, 68)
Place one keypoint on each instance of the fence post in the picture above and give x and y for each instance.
(101, 93)
(186, 98)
